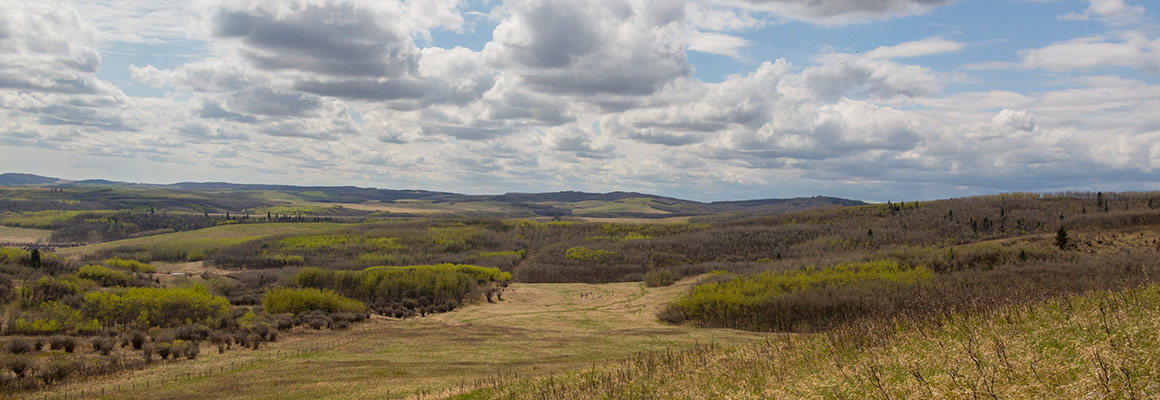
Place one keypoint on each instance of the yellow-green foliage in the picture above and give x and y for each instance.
(42, 219)
(507, 253)
(452, 238)
(977, 256)
(480, 274)
(291, 300)
(297, 210)
(757, 288)
(105, 276)
(750, 301)
(154, 306)
(581, 253)
(51, 318)
(312, 242)
(283, 259)
(130, 265)
(51, 288)
(13, 255)
(387, 259)
(421, 285)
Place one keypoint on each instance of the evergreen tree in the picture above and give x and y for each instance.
(1061, 238)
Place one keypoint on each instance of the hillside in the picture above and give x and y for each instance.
(350, 201)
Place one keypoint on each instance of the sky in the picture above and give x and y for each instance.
(699, 99)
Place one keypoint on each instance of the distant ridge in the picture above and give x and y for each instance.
(16, 179)
(563, 203)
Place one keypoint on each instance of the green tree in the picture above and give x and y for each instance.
(1061, 238)
(34, 258)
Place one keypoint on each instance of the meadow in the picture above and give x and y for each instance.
(1049, 294)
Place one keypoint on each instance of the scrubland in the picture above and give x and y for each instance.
(995, 296)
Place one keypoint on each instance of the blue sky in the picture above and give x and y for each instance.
(700, 99)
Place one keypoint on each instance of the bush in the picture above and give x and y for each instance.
(20, 365)
(793, 300)
(52, 318)
(130, 265)
(155, 307)
(286, 300)
(19, 346)
(66, 343)
(658, 277)
(60, 288)
(56, 371)
(387, 289)
(581, 253)
(106, 277)
(103, 345)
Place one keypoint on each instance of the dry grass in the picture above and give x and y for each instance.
(538, 329)
(1101, 345)
(13, 235)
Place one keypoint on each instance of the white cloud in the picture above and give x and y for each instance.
(916, 48)
(836, 12)
(1111, 12)
(570, 95)
(1126, 49)
(717, 43)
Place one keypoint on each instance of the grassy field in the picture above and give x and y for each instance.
(1098, 346)
(538, 329)
(23, 235)
(209, 238)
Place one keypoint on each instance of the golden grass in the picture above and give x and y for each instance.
(10, 234)
(538, 329)
(1101, 345)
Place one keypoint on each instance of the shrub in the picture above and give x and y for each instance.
(60, 342)
(19, 346)
(164, 350)
(658, 277)
(59, 288)
(287, 300)
(387, 289)
(130, 265)
(192, 349)
(103, 345)
(581, 253)
(155, 306)
(20, 365)
(136, 339)
(56, 371)
(51, 318)
(106, 277)
(793, 300)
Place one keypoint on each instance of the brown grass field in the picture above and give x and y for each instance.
(23, 235)
(538, 329)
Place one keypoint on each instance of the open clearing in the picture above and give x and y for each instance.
(213, 237)
(12, 235)
(538, 329)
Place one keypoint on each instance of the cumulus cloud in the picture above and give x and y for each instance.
(596, 48)
(48, 49)
(595, 95)
(1111, 12)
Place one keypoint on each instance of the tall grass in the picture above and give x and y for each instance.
(1098, 345)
